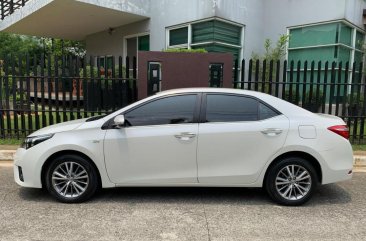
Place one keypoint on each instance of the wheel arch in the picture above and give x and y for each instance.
(313, 161)
(49, 160)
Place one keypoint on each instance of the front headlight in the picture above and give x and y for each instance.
(34, 140)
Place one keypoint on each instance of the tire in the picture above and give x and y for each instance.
(76, 186)
(291, 190)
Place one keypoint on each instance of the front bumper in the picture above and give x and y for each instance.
(25, 159)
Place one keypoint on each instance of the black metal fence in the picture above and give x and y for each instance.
(321, 87)
(7, 7)
(37, 92)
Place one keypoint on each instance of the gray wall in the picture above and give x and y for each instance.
(262, 19)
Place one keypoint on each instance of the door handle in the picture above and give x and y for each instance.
(185, 136)
(272, 131)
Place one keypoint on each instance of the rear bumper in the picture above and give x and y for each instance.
(338, 164)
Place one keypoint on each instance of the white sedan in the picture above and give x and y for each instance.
(191, 137)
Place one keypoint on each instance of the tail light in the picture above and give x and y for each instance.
(341, 130)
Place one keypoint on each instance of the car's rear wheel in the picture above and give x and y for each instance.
(71, 179)
(291, 181)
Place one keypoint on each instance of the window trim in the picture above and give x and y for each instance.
(202, 118)
(109, 123)
(189, 44)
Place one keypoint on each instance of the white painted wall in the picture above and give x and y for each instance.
(262, 19)
(103, 43)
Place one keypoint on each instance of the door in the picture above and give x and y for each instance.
(239, 134)
(158, 146)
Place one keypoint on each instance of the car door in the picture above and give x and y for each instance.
(158, 146)
(237, 136)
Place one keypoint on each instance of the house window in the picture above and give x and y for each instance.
(144, 43)
(214, 35)
(178, 36)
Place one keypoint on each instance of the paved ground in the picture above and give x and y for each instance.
(337, 212)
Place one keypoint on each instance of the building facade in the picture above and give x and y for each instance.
(319, 29)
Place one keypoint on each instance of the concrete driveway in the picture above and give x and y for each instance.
(337, 212)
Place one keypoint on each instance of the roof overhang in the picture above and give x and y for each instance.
(66, 19)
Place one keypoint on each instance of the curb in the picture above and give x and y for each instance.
(359, 161)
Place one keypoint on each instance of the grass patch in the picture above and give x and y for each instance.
(11, 141)
(359, 147)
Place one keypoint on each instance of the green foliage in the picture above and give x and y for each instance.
(180, 50)
(271, 54)
(61, 47)
(19, 44)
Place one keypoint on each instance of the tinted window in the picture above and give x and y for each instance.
(265, 112)
(170, 110)
(226, 108)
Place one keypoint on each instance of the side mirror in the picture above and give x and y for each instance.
(119, 121)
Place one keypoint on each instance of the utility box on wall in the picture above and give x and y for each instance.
(158, 71)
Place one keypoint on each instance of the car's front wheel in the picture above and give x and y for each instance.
(71, 179)
(291, 181)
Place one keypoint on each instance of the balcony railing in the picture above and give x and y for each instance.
(7, 7)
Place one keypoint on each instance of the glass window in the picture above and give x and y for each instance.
(265, 112)
(345, 35)
(360, 40)
(144, 43)
(313, 35)
(169, 110)
(215, 30)
(228, 108)
(178, 36)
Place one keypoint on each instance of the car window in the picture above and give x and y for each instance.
(266, 112)
(227, 108)
(169, 110)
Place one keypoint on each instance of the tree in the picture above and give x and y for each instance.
(18, 44)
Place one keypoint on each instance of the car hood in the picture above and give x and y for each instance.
(61, 127)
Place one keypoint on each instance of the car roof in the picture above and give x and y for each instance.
(208, 90)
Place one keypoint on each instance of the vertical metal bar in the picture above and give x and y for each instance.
(338, 89)
(92, 96)
(331, 92)
(264, 76)
(304, 83)
(325, 86)
(357, 105)
(297, 95)
(63, 86)
(42, 91)
(113, 93)
(21, 94)
(256, 75)
(317, 94)
(7, 96)
(312, 66)
(291, 80)
(134, 78)
(235, 82)
(71, 87)
(57, 82)
(106, 93)
(30, 118)
(50, 97)
(345, 91)
(14, 94)
(85, 87)
(284, 79)
(362, 132)
(250, 71)
(35, 92)
(99, 88)
(129, 94)
(242, 74)
(2, 90)
(78, 114)
(270, 76)
(277, 77)
(119, 88)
